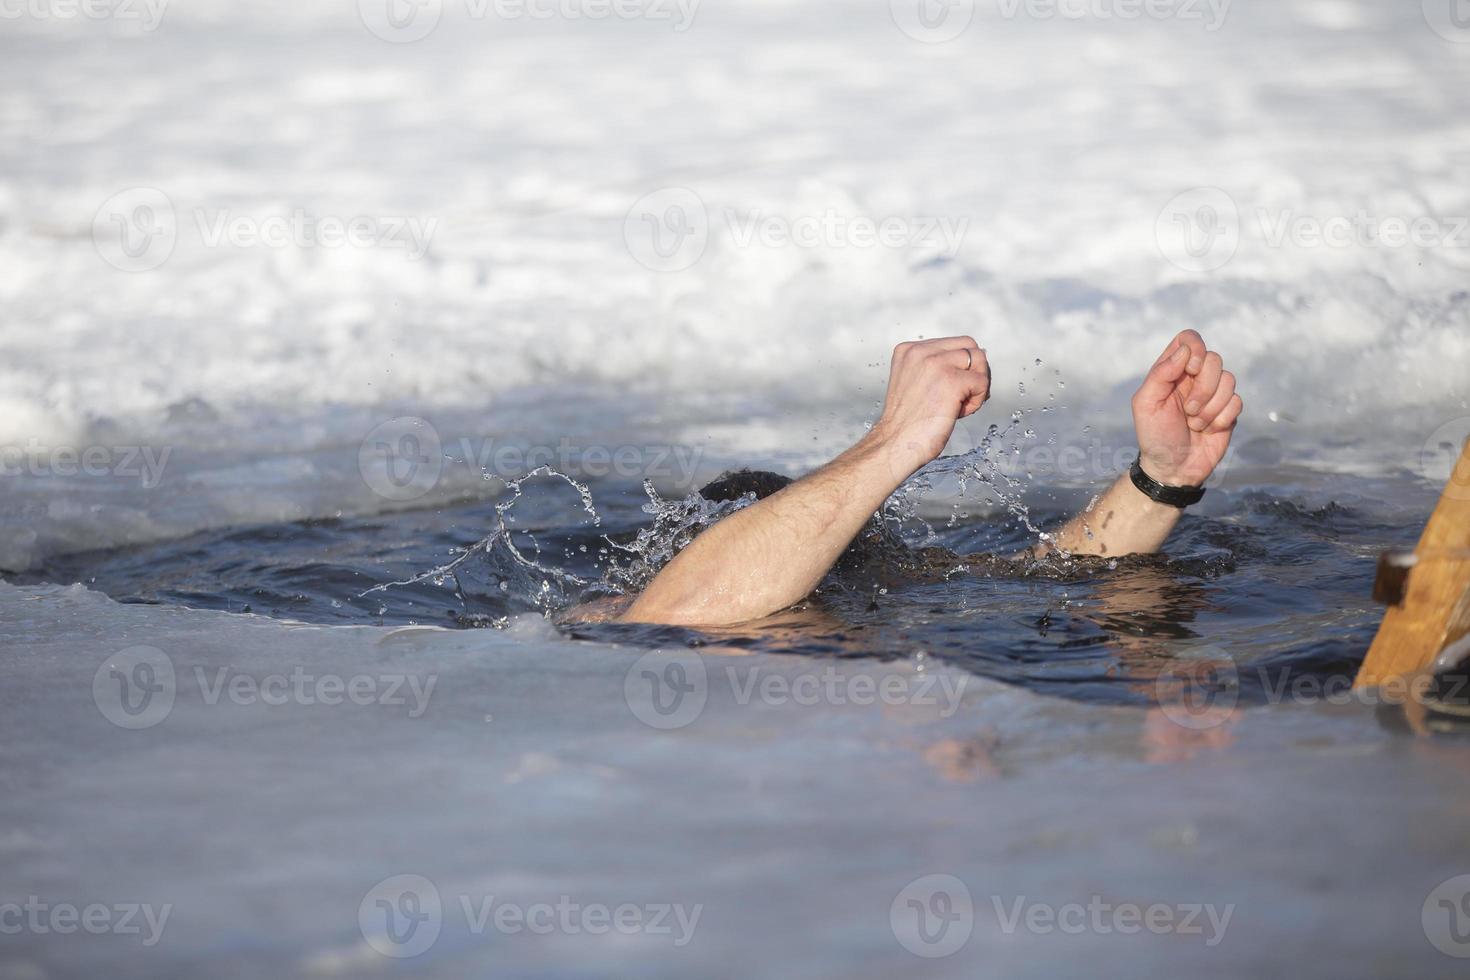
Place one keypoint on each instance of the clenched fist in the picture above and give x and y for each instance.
(932, 384)
(1185, 413)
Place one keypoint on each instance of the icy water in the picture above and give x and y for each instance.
(1272, 577)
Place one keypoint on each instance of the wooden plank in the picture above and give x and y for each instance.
(1435, 609)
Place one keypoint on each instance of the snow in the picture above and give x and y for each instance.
(492, 168)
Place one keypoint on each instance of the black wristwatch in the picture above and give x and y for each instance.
(1180, 497)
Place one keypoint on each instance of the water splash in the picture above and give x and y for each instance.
(675, 524)
(994, 464)
(508, 566)
(497, 563)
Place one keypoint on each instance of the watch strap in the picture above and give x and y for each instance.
(1180, 497)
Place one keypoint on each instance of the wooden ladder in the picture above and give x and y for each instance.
(1428, 591)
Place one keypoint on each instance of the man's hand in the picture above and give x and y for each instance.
(1185, 413)
(931, 385)
(774, 552)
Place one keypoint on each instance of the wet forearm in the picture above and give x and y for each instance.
(1123, 521)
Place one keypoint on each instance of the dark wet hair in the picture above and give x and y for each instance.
(733, 486)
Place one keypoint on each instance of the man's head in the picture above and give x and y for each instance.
(733, 486)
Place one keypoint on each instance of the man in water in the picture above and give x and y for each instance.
(774, 553)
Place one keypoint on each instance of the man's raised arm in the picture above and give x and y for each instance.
(774, 553)
(1184, 415)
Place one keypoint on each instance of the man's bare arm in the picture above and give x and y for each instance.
(1184, 415)
(1120, 522)
(774, 553)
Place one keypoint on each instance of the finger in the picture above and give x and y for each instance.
(964, 359)
(1191, 340)
(1206, 383)
(981, 367)
(976, 393)
(1227, 418)
(948, 343)
(1215, 405)
(971, 377)
(1163, 378)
